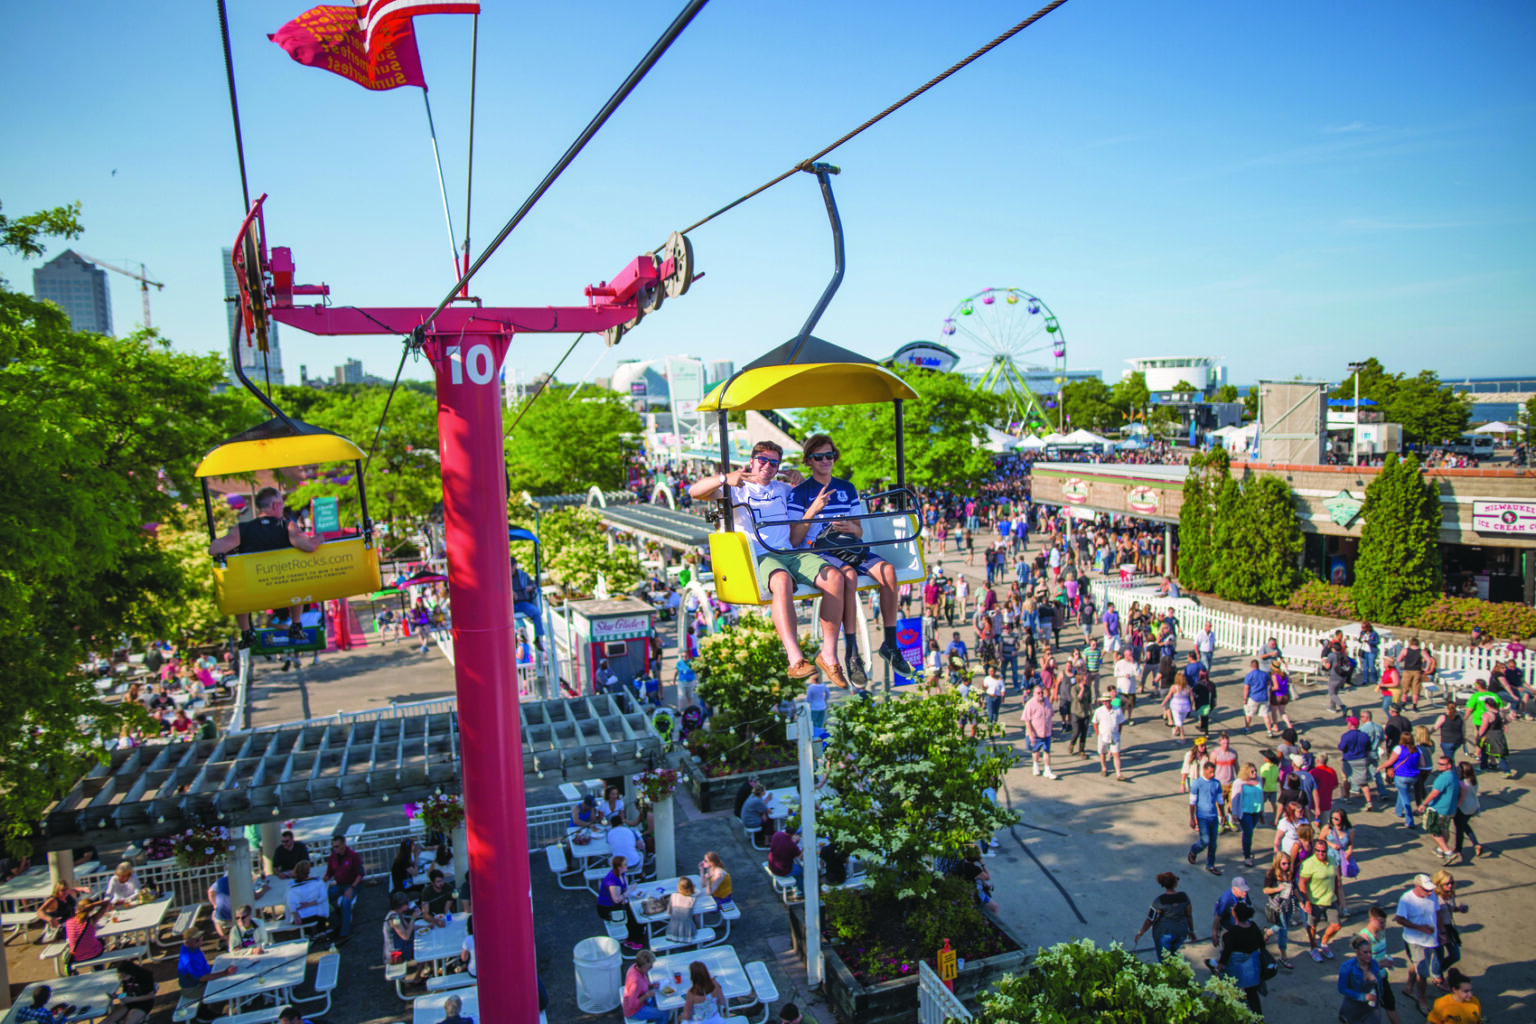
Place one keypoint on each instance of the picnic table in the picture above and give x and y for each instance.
(428, 1009)
(31, 886)
(276, 896)
(276, 969)
(90, 992)
(437, 945)
(661, 889)
(597, 847)
(145, 917)
(724, 966)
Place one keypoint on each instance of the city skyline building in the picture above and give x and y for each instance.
(79, 288)
(250, 357)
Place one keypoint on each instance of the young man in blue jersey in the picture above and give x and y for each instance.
(828, 495)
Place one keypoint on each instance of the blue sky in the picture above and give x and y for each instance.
(1287, 186)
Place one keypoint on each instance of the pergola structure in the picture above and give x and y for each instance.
(324, 765)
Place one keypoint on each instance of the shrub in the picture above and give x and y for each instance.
(1511, 621)
(742, 673)
(1315, 597)
(1079, 983)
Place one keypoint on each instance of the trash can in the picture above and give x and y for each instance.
(599, 974)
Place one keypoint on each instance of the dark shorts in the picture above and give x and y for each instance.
(1324, 914)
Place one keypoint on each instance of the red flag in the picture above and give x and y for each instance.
(384, 21)
(331, 38)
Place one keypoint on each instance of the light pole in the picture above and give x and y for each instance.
(1354, 432)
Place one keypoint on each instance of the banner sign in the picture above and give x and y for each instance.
(627, 627)
(276, 579)
(909, 637)
(1504, 517)
(326, 514)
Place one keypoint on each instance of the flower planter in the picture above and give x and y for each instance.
(889, 1002)
(719, 793)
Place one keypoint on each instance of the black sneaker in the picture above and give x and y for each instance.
(296, 633)
(856, 674)
(247, 637)
(890, 652)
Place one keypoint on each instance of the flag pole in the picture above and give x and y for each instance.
(441, 187)
(469, 174)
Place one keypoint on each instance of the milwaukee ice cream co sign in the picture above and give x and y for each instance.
(627, 627)
(1504, 517)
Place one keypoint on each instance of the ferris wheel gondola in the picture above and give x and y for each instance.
(1006, 338)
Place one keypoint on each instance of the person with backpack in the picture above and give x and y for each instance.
(1171, 916)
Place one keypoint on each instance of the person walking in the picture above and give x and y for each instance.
(1242, 956)
(1439, 806)
(1358, 984)
(1418, 912)
(1205, 646)
(1320, 883)
(1037, 732)
(1080, 707)
(1107, 720)
(1280, 901)
(1171, 917)
(1255, 699)
(1467, 808)
(1204, 816)
(1403, 773)
(1246, 804)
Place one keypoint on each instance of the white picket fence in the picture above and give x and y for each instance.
(936, 1004)
(1246, 634)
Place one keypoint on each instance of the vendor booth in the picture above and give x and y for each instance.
(618, 629)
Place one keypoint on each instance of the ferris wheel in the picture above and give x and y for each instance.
(1005, 338)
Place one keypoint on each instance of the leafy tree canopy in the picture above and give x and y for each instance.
(944, 432)
(561, 445)
(24, 235)
(1184, 385)
(1226, 393)
(1428, 411)
(1130, 394)
(576, 552)
(1089, 403)
(102, 435)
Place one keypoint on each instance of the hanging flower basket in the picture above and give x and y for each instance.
(655, 784)
(442, 812)
(199, 846)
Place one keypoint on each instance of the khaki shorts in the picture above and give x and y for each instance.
(802, 566)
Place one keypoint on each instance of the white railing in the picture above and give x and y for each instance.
(439, 706)
(1246, 634)
(186, 885)
(527, 674)
(936, 1004)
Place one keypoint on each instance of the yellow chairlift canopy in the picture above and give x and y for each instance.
(276, 444)
(808, 385)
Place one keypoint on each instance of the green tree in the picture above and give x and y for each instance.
(1184, 386)
(1398, 572)
(1087, 404)
(910, 784)
(1199, 555)
(101, 438)
(1428, 411)
(1375, 383)
(945, 431)
(404, 476)
(562, 446)
(1259, 541)
(1130, 394)
(576, 553)
(1251, 403)
(742, 676)
(24, 235)
(1226, 393)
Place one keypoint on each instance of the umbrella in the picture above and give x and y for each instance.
(1496, 427)
(380, 595)
(422, 576)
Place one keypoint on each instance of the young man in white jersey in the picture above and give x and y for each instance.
(756, 497)
(829, 495)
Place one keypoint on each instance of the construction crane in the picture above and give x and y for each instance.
(142, 277)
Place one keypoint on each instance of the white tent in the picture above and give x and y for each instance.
(1225, 432)
(1496, 427)
(997, 441)
(1082, 436)
(1137, 429)
(1054, 438)
(1032, 443)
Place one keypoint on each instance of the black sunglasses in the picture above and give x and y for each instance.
(765, 460)
(824, 456)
